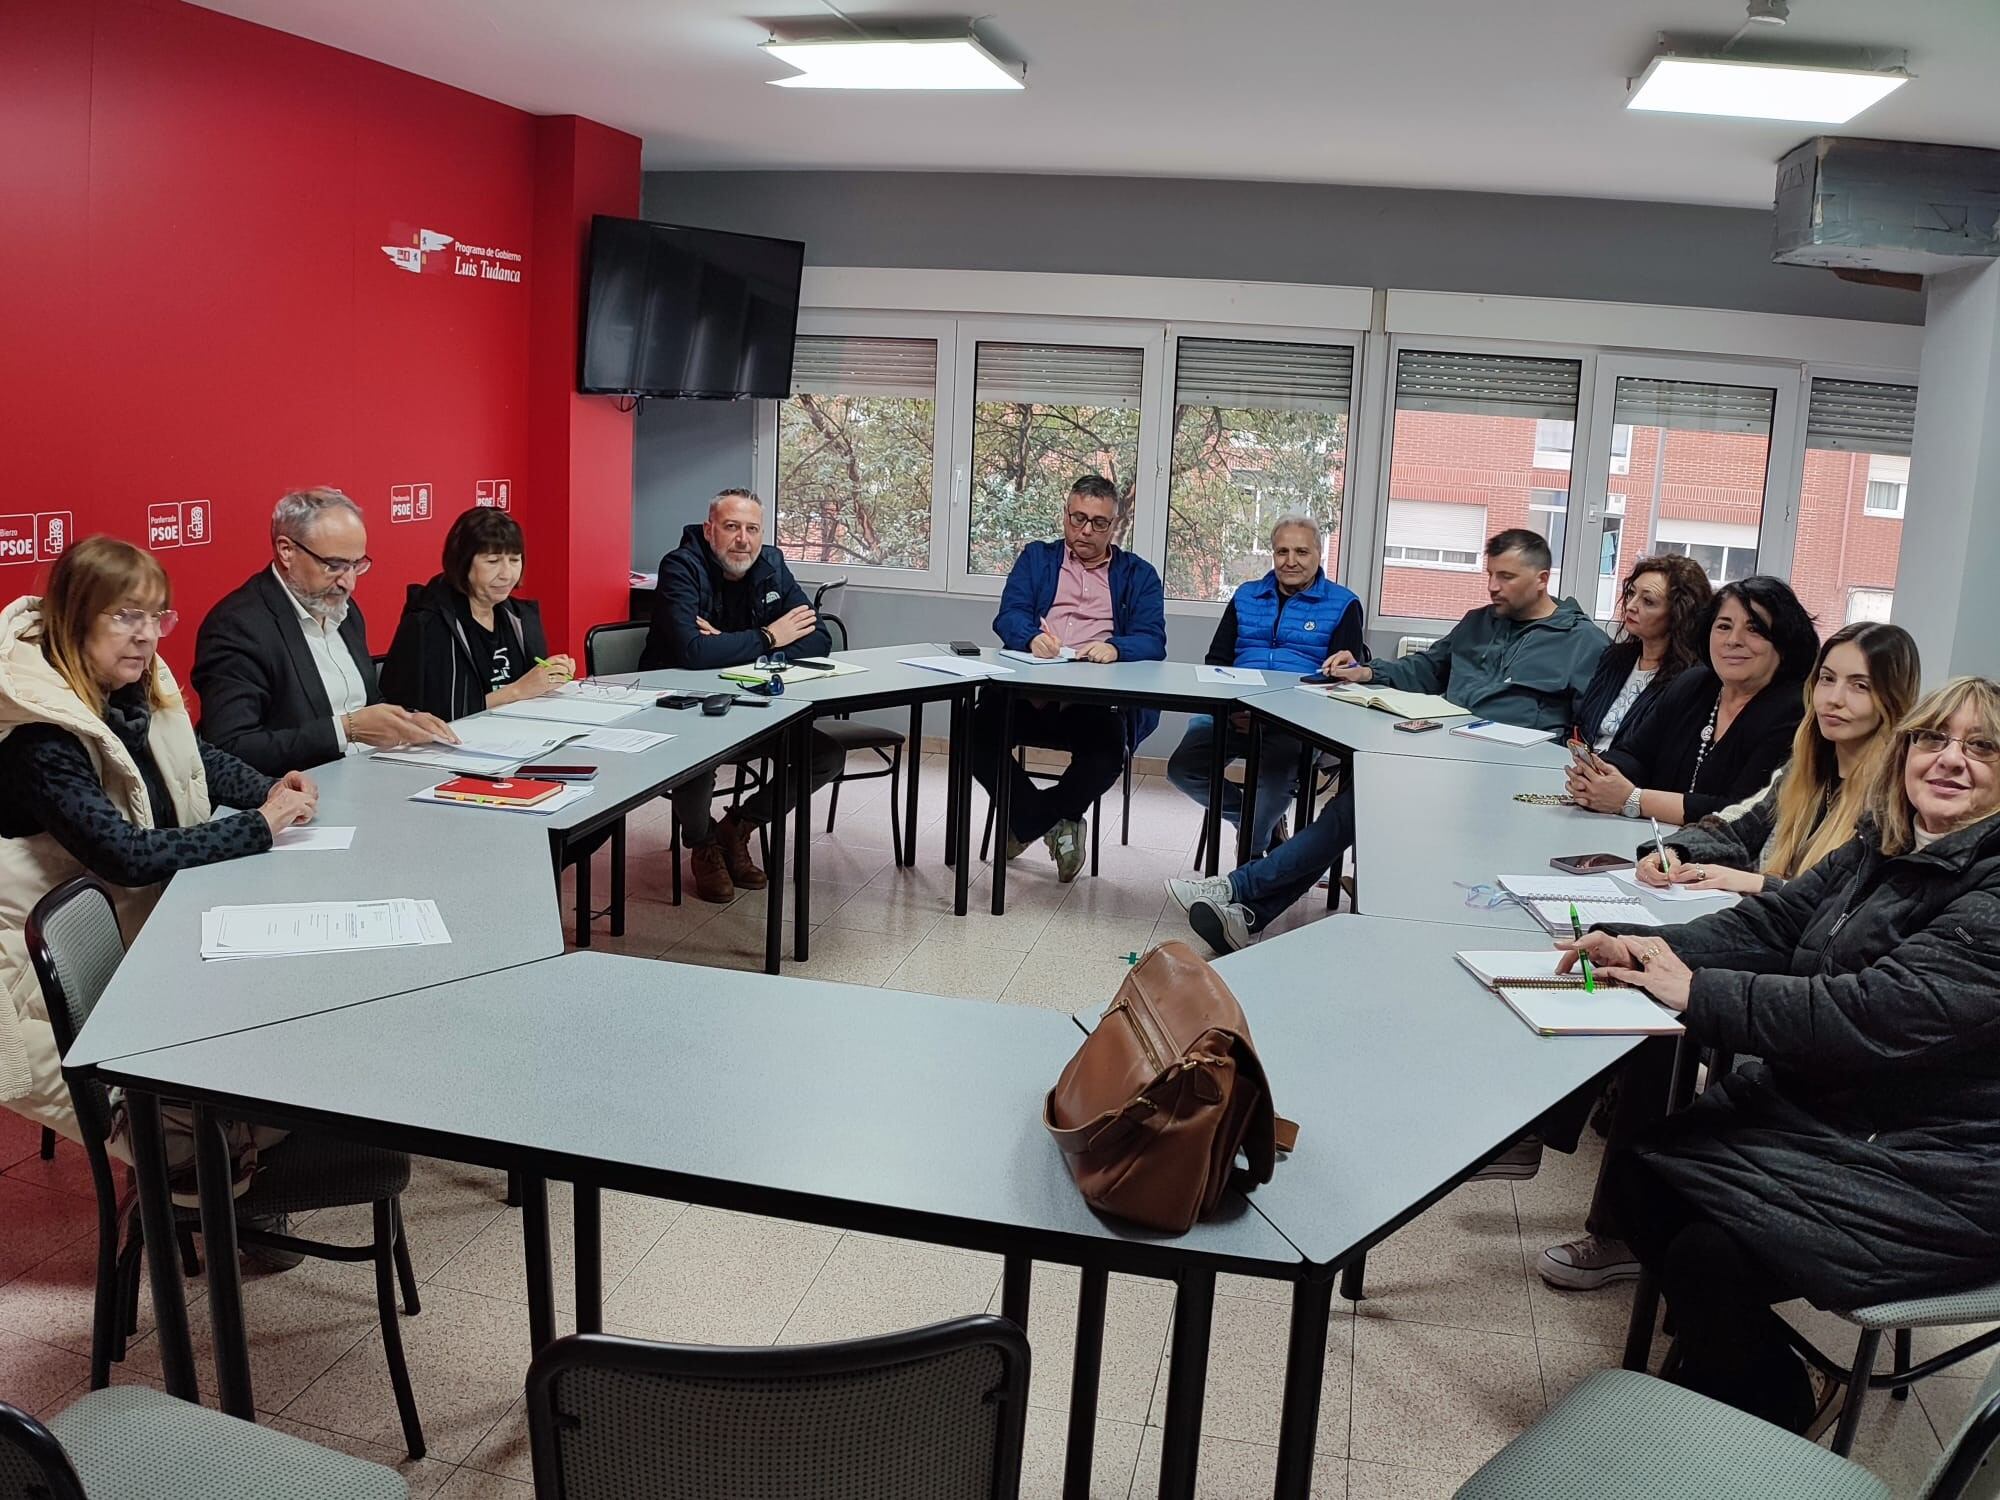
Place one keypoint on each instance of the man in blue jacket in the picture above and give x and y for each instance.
(1286, 623)
(1103, 604)
(724, 600)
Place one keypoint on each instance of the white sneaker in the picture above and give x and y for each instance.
(1215, 888)
(1585, 1265)
(1223, 925)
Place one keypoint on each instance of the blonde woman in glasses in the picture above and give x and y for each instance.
(1859, 1160)
(100, 770)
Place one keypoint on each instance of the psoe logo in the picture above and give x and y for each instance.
(426, 245)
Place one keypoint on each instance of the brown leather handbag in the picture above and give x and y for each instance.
(1161, 1096)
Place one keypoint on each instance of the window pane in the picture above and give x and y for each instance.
(1042, 417)
(1852, 499)
(1260, 430)
(1693, 477)
(855, 452)
(1479, 441)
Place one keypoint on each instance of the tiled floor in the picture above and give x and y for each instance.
(1457, 1347)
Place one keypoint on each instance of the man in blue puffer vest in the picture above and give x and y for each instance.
(1287, 624)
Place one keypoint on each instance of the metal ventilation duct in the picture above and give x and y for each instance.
(1896, 206)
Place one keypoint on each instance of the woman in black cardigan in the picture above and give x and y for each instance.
(1718, 731)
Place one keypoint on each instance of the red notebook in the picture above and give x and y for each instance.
(516, 792)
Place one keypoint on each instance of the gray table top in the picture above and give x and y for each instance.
(883, 680)
(910, 1114)
(1402, 1071)
(1354, 728)
(1426, 829)
(1164, 683)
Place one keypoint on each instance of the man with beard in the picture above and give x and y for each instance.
(281, 664)
(724, 600)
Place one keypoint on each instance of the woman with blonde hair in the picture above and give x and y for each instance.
(100, 770)
(1858, 1161)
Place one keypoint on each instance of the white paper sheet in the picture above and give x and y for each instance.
(485, 744)
(587, 711)
(958, 666)
(1663, 893)
(288, 929)
(623, 741)
(1066, 653)
(1243, 676)
(305, 837)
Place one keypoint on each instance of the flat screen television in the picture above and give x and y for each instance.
(671, 311)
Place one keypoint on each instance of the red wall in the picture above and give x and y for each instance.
(198, 305)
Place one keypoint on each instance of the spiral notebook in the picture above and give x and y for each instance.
(1555, 1004)
(1598, 898)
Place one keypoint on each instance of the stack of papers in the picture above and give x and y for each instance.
(1244, 676)
(1503, 734)
(958, 666)
(286, 929)
(487, 746)
(575, 791)
(591, 710)
(624, 741)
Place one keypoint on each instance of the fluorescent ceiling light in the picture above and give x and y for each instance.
(1760, 90)
(955, 63)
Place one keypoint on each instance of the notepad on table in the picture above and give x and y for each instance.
(1063, 654)
(1404, 705)
(1558, 1005)
(796, 672)
(958, 666)
(1597, 898)
(1503, 734)
(288, 929)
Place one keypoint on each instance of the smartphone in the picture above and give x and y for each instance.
(1584, 756)
(558, 773)
(1318, 679)
(1416, 726)
(678, 700)
(964, 648)
(754, 702)
(1589, 864)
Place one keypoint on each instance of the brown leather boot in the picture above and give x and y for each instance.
(734, 836)
(711, 874)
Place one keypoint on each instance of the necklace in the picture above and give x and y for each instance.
(1707, 741)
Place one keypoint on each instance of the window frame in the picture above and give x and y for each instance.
(944, 415)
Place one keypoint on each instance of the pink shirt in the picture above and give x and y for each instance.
(1081, 614)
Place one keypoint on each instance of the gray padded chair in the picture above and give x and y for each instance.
(1979, 1306)
(1625, 1436)
(75, 946)
(886, 745)
(935, 1413)
(135, 1441)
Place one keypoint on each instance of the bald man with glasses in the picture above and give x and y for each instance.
(281, 665)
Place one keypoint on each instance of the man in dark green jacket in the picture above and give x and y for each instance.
(1524, 659)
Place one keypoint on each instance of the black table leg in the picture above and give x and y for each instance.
(1351, 1277)
(1212, 818)
(541, 1271)
(225, 1275)
(774, 884)
(959, 769)
(910, 791)
(1246, 807)
(1081, 1447)
(1003, 785)
(618, 878)
(589, 1259)
(1305, 1370)
(802, 855)
(1187, 1383)
(163, 1266)
(1015, 1275)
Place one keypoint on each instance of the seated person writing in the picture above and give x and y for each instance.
(1863, 684)
(1721, 729)
(1105, 604)
(281, 664)
(466, 642)
(1659, 634)
(1524, 659)
(100, 771)
(724, 600)
(1859, 1161)
(1287, 623)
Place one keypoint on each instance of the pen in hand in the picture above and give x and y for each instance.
(1576, 927)
(1660, 845)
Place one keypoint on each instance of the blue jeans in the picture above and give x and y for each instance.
(1268, 885)
(1277, 774)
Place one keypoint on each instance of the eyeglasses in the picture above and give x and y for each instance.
(1976, 746)
(130, 621)
(1084, 522)
(339, 567)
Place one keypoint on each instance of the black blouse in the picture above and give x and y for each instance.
(1663, 751)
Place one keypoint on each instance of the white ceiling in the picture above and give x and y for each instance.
(1501, 95)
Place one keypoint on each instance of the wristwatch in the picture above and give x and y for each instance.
(1631, 807)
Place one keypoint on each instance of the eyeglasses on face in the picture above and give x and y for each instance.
(131, 621)
(1083, 522)
(1976, 746)
(339, 567)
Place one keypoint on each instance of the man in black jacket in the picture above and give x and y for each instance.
(281, 664)
(724, 600)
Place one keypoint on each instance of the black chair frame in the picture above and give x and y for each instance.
(587, 1351)
(891, 758)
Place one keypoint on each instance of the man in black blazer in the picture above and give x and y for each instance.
(281, 664)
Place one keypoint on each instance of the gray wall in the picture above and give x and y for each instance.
(1606, 250)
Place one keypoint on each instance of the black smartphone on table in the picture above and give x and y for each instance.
(1589, 864)
(558, 772)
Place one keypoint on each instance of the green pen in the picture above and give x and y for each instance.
(1576, 926)
(543, 662)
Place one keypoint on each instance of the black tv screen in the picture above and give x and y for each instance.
(678, 312)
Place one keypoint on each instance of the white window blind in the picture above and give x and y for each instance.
(1860, 416)
(1694, 405)
(1260, 376)
(842, 365)
(1437, 523)
(1488, 385)
(1059, 374)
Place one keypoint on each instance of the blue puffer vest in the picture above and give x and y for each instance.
(1288, 635)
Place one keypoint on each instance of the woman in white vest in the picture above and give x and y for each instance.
(100, 770)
